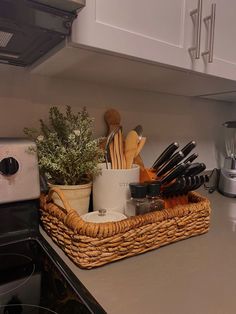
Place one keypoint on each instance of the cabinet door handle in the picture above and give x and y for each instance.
(198, 22)
(212, 19)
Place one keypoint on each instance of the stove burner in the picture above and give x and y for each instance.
(25, 309)
(32, 281)
(15, 271)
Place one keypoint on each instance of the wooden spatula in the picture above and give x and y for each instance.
(131, 145)
(140, 146)
(137, 158)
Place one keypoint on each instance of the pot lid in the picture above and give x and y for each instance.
(103, 215)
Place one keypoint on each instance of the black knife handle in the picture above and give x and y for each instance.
(172, 189)
(171, 163)
(177, 188)
(201, 168)
(198, 182)
(230, 124)
(188, 148)
(207, 179)
(165, 155)
(192, 167)
(177, 171)
(195, 169)
(191, 158)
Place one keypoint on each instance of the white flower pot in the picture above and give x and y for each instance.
(77, 196)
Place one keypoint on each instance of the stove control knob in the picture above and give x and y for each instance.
(9, 166)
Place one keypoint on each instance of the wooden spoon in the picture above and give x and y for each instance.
(112, 119)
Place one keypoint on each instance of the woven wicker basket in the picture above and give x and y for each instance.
(94, 244)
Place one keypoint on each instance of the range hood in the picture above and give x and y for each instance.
(31, 28)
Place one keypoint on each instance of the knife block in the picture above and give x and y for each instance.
(147, 174)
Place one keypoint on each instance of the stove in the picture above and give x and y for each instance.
(33, 278)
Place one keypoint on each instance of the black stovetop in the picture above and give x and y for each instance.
(33, 278)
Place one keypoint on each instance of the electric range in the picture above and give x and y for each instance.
(33, 277)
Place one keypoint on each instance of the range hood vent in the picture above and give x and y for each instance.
(31, 28)
(5, 38)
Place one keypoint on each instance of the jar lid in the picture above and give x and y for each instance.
(138, 190)
(103, 215)
(154, 188)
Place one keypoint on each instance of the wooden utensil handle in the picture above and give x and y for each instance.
(117, 151)
(121, 147)
(138, 161)
(111, 149)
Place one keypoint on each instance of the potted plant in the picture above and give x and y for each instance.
(68, 156)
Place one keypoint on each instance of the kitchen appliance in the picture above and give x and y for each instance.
(31, 28)
(33, 278)
(19, 178)
(227, 178)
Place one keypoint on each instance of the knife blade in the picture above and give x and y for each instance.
(170, 164)
(165, 155)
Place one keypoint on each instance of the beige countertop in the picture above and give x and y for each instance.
(193, 276)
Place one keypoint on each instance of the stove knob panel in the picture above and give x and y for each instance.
(9, 166)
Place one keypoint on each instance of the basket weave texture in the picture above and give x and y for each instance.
(94, 244)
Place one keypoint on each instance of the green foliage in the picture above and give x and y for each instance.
(67, 152)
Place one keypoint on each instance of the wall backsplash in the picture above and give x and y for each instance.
(165, 118)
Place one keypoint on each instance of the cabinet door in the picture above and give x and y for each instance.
(224, 48)
(155, 30)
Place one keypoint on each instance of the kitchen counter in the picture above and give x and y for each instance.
(193, 276)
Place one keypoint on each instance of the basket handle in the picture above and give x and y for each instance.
(61, 195)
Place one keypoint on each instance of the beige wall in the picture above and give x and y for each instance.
(165, 118)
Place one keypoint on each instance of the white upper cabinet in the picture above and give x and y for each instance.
(163, 31)
(155, 30)
(157, 45)
(218, 37)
